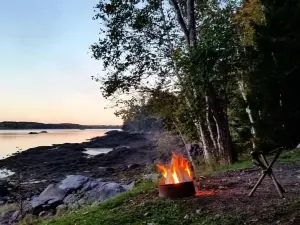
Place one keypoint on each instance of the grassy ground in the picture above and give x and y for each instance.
(142, 206)
(8, 207)
(288, 157)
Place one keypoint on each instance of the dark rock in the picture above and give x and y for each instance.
(4, 188)
(43, 132)
(33, 133)
(133, 166)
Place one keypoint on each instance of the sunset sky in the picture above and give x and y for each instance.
(45, 64)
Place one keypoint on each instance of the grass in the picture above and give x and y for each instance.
(8, 207)
(287, 157)
(139, 206)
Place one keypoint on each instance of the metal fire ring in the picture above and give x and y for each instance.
(185, 189)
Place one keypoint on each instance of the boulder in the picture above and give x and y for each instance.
(75, 191)
(104, 191)
(54, 194)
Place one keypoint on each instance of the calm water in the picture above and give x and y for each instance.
(11, 139)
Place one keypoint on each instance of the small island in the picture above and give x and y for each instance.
(14, 125)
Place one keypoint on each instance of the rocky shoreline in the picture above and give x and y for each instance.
(40, 170)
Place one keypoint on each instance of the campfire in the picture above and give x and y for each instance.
(177, 178)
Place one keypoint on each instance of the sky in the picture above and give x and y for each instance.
(46, 65)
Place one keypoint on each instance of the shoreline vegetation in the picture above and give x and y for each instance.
(13, 125)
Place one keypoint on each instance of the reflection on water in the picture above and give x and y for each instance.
(11, 140)
(97, 151)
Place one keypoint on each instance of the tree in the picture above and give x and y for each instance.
(274, 81)
(143, 45)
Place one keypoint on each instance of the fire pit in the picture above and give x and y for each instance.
(177, 179)
(180, 190)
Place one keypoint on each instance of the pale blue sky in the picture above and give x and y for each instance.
(45, 67)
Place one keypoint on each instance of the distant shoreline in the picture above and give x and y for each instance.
(11, 125)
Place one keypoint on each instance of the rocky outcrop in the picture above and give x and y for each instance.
(76, 190)
(72, 192)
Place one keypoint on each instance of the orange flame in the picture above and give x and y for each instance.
(178, 171)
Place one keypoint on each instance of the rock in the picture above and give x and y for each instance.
(46, 213)
(54, 194)
(2, 202)
(74, 206)
(33, 133)
(61, 208)
(133, 166)
(104, 191)
(5, 217)
(81, 202)
(129, 186)
(43, 213)
(70, 199)
(43, 132)
(16, 216)
(152, 176)
(73, 182)
(4, 186)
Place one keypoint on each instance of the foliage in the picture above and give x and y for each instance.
(221, 73)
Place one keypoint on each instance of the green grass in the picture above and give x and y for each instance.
(8, 207)
(287, 157)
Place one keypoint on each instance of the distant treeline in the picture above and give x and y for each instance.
(7, 125)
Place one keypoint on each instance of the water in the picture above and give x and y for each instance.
(10, 140)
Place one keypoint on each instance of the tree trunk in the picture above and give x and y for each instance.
(220, 113)
(248, 111)
(206, 153)
(212, 136)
